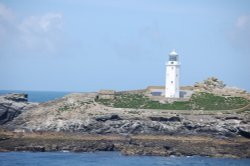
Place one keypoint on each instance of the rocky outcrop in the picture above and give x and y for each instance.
(16, 97)
(80, 113)
(11, 105)
(170, 119)
(216, 86)
(210, 84)
(140, 131)
(104, 118)
(244, 131)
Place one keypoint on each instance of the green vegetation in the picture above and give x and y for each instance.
(64, 108)
(208, 101)
(200, 101)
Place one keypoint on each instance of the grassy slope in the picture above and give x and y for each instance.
(200, 101)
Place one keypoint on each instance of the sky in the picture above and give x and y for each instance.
(88, 45)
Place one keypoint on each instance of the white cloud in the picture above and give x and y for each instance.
(42, 24)
(41, 32)
(6, 23)
(5, 13)
(37, 34)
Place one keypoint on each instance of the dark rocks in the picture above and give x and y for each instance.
(190, 126)
(233, 118)
(7, 113)
(105, 147)
(144, 150)
(92, 146)
(11, 105)
(244, 131)
(139, 144)
(166, 119)
(104, 118)
(16, 97)
(30, 148)
(204, 146)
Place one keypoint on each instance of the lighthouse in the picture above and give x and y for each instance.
(172, 88)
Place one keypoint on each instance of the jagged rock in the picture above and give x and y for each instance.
(190, 126)
(7, 113)
(210, 84)
(213, 130)
(217, 87)
(17, 97)
(11, 105)
(166, 119)
(108, 117)
(244, 131)
(233, 117)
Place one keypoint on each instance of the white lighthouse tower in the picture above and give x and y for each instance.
(172, 88)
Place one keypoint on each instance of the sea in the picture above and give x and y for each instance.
(109, 159)
(38, 96)
(100, 158)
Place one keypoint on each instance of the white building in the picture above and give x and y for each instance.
(172, 88)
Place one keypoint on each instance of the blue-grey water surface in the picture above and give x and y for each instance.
(38, 96)
(109, 159)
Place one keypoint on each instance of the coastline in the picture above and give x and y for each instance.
(78, 123)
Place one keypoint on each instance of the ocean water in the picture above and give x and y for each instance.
(109, 159)
(38, 96)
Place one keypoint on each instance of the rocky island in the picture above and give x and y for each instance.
(214, 121)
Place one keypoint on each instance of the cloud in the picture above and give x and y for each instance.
(6, 23)
(5, 13)
(240, 36)
(41, 32)
(42, 24)
(34, 34)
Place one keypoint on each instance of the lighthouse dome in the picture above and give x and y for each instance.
(173, 56)
(173, 53)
